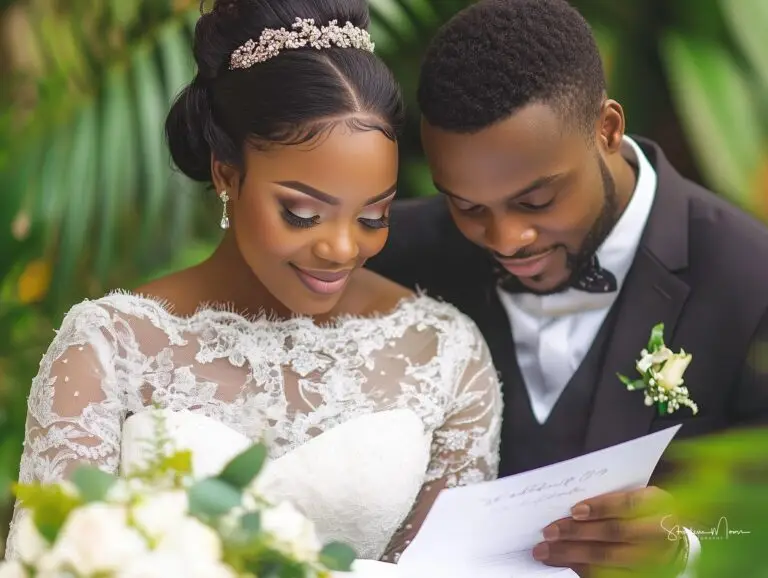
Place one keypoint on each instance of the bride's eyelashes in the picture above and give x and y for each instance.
(299, 221)
(304, 219)
(380, 223)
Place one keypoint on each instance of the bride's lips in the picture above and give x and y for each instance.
(529, 267)
(322, 282)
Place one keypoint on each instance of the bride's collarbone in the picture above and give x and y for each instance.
(369, 294)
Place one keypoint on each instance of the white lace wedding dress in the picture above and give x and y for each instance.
(366, 419)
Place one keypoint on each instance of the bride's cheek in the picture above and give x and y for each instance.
(373, 243)
(264, 236)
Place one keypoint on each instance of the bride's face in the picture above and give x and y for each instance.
(305, 217)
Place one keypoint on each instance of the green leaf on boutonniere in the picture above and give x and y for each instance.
(337, 557)
(92, 483)
(662, 407)
(632, 384)
(212, 498)
(656, 340)
(242, 469)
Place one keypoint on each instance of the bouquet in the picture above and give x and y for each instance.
(161, 522)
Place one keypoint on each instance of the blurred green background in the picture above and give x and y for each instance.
(89, 201)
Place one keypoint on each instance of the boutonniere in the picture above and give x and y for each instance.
(662, 375)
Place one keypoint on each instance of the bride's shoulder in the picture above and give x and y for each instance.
(116, 312)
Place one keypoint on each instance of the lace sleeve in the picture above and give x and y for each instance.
(465, 449)
(75, 410)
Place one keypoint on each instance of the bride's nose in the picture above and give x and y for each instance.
(338, 245)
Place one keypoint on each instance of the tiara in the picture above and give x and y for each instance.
(272, 42)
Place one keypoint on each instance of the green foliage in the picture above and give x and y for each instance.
(216, 501)
(92, 483)
(242, 470)
(720, 88)
(721, 496)
(337, 556)
(51, 505)
(656, 341)
(89, 164)
(251, 523)
(212, 498)
(89, 193)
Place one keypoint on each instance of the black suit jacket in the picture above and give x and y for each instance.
(701, 269)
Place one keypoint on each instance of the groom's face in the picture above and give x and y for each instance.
(537, 195)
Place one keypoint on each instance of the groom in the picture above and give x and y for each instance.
(567, 241)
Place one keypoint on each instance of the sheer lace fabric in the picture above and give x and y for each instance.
(284, 382)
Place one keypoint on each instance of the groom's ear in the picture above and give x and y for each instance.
(611, 126)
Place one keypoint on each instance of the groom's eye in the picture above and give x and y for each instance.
(537, 200)
(465, 206)
(537, 207)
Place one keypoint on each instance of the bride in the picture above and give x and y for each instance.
(371, 399)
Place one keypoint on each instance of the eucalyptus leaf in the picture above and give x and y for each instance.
(337, 557)
(92, 483)
(212, 498)
(251, 522)
(243, 468)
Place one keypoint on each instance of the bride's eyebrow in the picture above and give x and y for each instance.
(310, 191)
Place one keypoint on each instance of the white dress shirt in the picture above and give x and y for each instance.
(553, 333)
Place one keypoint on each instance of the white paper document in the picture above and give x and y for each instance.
(488, 530)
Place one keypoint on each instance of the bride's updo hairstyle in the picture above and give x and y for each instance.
(289, 98)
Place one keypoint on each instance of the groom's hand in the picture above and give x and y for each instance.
(621, 530)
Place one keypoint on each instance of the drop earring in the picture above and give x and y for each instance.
(224, 224)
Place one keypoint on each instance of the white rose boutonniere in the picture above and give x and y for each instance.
(662, 373)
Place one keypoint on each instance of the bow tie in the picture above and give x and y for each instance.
(591, 279)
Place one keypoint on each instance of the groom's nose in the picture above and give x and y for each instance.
(507, 234)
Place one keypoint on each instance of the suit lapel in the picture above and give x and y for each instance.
(652, 293)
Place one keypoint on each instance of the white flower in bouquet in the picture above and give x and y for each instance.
(31, 544)
(168, 565)
(192, 540)
(157, 515)
(96, 538)
(292, 531)
(12, 569)
(160, 521)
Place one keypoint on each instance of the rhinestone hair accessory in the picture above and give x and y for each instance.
(272, 42)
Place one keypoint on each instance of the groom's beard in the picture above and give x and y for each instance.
(601, 228)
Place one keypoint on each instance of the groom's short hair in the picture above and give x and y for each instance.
(497, 56)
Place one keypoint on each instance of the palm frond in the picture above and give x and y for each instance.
(91, 144)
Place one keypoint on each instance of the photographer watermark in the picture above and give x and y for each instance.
(721, 531)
